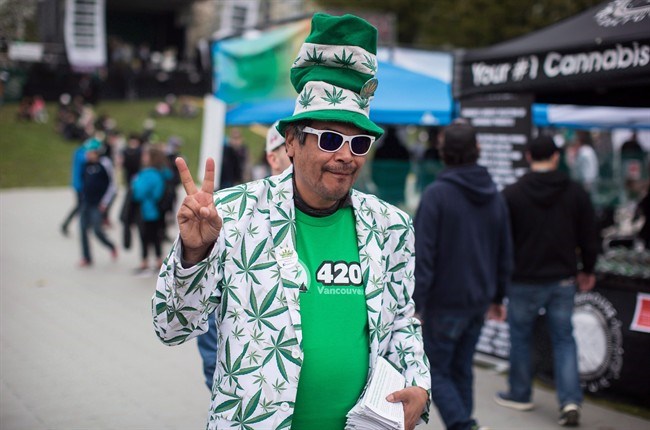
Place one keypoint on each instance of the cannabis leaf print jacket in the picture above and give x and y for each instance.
(252, 282)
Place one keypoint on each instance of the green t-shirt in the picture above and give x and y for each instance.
(334, 321)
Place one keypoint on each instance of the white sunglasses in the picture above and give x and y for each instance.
(332, 141)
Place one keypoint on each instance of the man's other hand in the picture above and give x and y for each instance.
(496, 312)
(586, 281)
(414, 399)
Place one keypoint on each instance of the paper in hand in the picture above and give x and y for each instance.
(372, 411)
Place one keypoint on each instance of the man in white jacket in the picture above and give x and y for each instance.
(310, 280)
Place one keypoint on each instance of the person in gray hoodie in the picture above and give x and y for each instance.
(462, 269)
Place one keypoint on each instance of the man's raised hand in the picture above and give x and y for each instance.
(199, 223)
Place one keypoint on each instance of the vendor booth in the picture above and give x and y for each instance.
(600, 57)
(591, 70)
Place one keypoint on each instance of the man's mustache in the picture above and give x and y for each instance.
(341, 169)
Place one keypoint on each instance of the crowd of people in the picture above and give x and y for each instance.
(284, 278)
(149, 177)
(32, 109)
(293, 275)
(147, 170)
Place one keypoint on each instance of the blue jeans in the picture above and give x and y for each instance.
(208, 349)
(91, 216)
(525, 300)
(449, 341)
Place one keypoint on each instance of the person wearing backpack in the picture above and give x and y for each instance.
(148, 189)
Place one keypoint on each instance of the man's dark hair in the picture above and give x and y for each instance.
(541, 148)
(296, 128)
(459, 145)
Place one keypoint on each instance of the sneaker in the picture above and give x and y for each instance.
(114, 254)
(64, 230)
(85, 263)
(504, 399)
(569, 415)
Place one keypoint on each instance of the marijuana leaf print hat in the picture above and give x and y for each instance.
(334, 73)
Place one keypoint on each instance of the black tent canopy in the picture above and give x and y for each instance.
(598, 57)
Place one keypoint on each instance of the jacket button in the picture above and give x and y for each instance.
(284, 406)
(295, 353)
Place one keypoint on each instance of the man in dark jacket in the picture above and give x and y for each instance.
(462, 268)
(552, 228)
(97, 191)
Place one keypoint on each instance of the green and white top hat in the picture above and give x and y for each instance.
(334, 73)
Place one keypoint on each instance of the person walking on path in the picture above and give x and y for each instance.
(77, 174)
(555, 248)
(147, 190)
(311, 280)
(130, 158)
(97, 191)
(462, 270)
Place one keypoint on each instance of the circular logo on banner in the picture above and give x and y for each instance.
(598, 336)
(619, 12)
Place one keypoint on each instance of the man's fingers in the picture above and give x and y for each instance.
(204, 212)
(395, 397)
(186, 177)
(208, 179)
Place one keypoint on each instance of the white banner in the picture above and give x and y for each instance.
(25, 51)
(85, 33)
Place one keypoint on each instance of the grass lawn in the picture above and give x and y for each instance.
(34, 155)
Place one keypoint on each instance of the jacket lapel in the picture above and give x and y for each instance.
(369, 239)
(283, 233)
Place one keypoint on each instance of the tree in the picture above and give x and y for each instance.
(466, 23)
(15, 16)
(410, 17)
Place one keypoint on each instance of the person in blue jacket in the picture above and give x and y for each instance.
(462, 270)
(77, 173)
(148, 187)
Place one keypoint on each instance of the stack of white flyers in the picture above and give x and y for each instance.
(373, 411)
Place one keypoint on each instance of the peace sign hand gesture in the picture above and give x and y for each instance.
(198, 221)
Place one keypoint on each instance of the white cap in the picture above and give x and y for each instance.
(274, 139)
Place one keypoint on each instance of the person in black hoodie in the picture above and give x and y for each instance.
(553, 229)
(462, 269)
(131, 160)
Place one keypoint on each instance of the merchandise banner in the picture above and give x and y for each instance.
(601, 55)
(85, 33)
(571, 69)
(248, 69)
(256, 68)
(503, 124)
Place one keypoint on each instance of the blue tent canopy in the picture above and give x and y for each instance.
(403, 97)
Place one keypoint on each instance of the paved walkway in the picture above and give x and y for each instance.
(78, 351)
